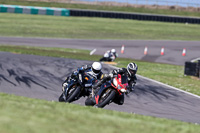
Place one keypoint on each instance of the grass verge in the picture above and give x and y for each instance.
(164, 73)
(93, 28)
(23, 115)
(101, 7)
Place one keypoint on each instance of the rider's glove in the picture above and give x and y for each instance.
(64, 84)
(74, 74)
(111, 75)
(85, 67)
(114, 71)
(108, 76)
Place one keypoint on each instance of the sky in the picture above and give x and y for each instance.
(185, 3)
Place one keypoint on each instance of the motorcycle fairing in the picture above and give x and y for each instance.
(70, 85)
(101, 90)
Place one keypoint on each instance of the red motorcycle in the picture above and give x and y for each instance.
(108, 92)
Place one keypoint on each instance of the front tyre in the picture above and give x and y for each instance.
(106, 98)
(102, 59)
(61, 98)
(73, 94)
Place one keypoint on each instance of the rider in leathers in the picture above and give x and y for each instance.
(131, 79)
(94, 71)
(110, 55)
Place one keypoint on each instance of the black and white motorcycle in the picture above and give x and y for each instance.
(108, 56)
(76, 86)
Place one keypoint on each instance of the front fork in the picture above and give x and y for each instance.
(92, 92)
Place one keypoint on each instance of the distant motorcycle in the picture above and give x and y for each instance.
(76, 86)
(108, 57)
(108, 92)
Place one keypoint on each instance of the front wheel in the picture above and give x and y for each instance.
(102, 59)
(61, 98)
(73, 94)
(106, 98)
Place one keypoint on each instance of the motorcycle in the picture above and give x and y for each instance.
(78, 85)
(108, 57)
(108, 92)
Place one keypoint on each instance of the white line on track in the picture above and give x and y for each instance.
(162, 84)
(195, 59)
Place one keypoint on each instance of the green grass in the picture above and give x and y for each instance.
(164, 73)
(93, 28)
(101, 7)
(26, 115)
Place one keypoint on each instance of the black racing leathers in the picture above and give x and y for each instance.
(85, 69)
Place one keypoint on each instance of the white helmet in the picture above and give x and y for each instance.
(132, 69)
(113, 50)
(96, 68)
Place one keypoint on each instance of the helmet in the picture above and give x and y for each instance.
(113, 51)
(132, 69)
(96, 67)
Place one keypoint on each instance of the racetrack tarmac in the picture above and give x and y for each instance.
(41, 77)
(133, 48)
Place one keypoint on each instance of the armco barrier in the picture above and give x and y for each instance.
(94, 13)
(137, 16)
(34, 10)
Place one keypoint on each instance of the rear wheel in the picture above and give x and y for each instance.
(73, 94)
(106, 98)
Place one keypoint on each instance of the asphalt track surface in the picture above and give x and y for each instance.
(41, 77)
(133, 48)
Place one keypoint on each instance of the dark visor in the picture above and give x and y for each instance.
(96, 71)
(132, 71)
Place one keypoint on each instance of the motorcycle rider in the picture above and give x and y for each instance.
(114, 53)
(94, 71)
(110, 55)
(131, 79)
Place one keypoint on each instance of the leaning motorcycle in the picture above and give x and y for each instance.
(107, 57)
(76, 86)
(108, 92)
